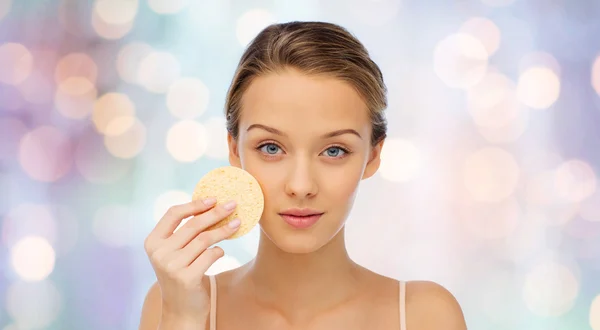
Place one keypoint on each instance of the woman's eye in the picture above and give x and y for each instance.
(335, 152)
(270, 148)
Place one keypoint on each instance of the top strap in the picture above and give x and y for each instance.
(213, 302)
(402, 304)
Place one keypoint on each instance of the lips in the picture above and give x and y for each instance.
(301, 218)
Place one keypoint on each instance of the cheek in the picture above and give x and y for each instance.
(269, 177)
(341, 185)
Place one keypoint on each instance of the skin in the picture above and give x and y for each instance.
(298, 165)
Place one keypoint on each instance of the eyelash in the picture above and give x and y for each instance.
(346, 151)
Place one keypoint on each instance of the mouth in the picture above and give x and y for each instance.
(301, 219)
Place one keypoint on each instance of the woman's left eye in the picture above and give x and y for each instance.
(335, 152)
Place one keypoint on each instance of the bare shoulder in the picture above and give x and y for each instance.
(430, 305)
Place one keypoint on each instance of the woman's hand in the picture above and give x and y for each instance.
(181, 258)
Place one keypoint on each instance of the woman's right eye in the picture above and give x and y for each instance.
(270, 148)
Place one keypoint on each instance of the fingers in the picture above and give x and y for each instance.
(173, 217)
(201, 243)
(205, 260)
(197, 225)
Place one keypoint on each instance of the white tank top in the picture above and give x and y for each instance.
(213, 303)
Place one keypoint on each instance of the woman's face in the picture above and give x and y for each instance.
(306, 139)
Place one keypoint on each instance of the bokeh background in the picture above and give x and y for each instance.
(111, 110)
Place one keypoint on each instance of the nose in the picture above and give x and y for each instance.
(301, 182)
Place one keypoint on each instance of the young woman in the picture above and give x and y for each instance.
(305, 116)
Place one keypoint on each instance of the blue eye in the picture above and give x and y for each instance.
(335, 152)
(270, 148)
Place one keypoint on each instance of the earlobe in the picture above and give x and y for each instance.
(374, 160)
(234, 155)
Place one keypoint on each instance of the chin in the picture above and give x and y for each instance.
(296, 243)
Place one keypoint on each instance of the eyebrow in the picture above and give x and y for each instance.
(326, 135)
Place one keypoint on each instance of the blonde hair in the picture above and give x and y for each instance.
(314, 48)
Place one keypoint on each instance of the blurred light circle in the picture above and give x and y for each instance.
(16, 63)
(75, 97)
(116, 12)
(57, 224)
(33, 258)
(109, 107)
(497, 3)
(460, 60)
(167, 6)
(76, 65)
(539, 59)
(96, 164)
(131, 140)
(538, 87)
(109, 31)
(114, 225)
(187, 141)
(129, 59)
(158, 71)
(550, 289)
(596, 75)
(491, 174)
(492, 101)
(575, 180)
(223, 264)
(251, 23)
(168, 199)
(400, 160)
(12, 130)
(595, 313)
(45, 154)
(590, 208)
(33, 305)
(187, 98)
(216, 132)
(491, 221)
(5, 6)
(28, 219)
(120, 125)
(485, 30)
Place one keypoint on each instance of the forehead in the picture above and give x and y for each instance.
(291, 99)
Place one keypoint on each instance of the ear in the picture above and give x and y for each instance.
(374, 160)
(234, 155)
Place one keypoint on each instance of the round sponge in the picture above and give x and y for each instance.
(233, 183)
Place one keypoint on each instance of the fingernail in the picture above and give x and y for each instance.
(234, 223)
(209, 201)
(229, 205)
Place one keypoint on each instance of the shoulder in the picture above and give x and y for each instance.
(429, 305)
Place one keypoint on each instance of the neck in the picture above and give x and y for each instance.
(301, 286)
